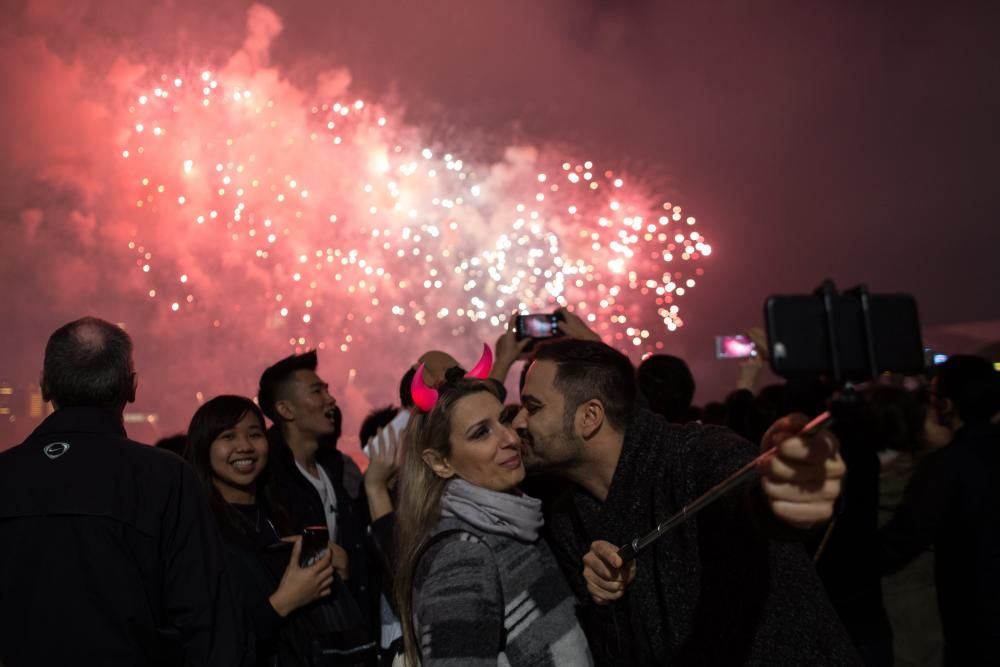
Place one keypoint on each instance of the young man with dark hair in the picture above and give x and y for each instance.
(317, 484)
(731, 586)
(108, 550)
(953, 503)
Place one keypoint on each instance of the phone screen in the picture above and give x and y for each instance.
(315, 540)
(536, 326)
(734, 347)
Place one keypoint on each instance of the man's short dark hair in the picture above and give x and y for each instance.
(972, 384)
(88, 363)
(668, 385)
(274, 381)
(587, 370)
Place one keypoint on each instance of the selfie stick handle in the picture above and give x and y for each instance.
(640, 542)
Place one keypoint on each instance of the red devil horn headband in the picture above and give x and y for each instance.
(425, 397)
(481, 370)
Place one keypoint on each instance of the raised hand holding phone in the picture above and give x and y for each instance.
(536, 325)
(734, 347)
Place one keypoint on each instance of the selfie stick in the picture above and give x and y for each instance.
(639, 544)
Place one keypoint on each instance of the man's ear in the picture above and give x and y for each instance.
(285, 410)
(135, 386)
(438, 464)
(590, 418)
(45, 390)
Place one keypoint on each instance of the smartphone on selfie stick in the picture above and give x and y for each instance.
(850, 336)
(846, 337)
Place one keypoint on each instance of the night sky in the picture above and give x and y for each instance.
(851, 140)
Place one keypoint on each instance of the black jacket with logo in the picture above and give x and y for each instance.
(109, 553)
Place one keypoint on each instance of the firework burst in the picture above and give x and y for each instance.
(332, 223)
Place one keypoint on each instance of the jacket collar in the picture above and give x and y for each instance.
(328, 457)
(82, 420)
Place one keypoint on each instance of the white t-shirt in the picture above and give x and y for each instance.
(326, 493)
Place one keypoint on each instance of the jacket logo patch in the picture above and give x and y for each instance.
(56, 449)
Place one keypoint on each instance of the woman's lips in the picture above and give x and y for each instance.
(244, 465)
(513, 463)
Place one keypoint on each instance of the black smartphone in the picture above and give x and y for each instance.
(315, 540)
(804, 341)
(540, 325)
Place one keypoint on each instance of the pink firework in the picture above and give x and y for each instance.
(342, 226)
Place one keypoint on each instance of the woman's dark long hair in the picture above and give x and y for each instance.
(211, 420)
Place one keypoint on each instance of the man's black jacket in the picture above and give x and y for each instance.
(305, 508)
(109, 553)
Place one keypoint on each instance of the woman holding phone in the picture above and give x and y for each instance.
(228, 449)
(476, 585)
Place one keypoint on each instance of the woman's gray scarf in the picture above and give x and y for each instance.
(512, 514)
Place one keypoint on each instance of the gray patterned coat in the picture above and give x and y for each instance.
(486, 599)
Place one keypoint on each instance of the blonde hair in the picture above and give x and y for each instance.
(420, 491)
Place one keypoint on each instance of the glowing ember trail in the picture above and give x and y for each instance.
(339, 222)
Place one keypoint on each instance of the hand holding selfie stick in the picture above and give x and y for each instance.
(844, 326)
(744, 474)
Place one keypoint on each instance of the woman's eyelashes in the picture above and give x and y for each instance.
(487, 428)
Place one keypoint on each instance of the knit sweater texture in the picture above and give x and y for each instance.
(487, 599)
(730, 587)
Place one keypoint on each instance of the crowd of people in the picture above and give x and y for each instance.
(487, 531)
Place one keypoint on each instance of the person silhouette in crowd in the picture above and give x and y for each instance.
(952, 503)
(668, 386)
(380, 434)
(108, 548)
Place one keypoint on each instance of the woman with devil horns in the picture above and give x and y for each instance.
(475, 583)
